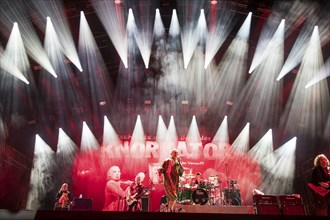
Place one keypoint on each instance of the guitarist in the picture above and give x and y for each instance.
(320, 181)
(63, 198)
(133, 198)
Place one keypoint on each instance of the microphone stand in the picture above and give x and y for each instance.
(228, 185)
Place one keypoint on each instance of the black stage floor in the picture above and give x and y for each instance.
(100, 215)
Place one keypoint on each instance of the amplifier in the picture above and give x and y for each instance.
(82, 204)
(293, 210)
(145, 200)
(265, 199)
(268, 209)
(291, 205)
(290, 200)
(233, 196)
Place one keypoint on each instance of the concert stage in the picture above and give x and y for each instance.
(100, 215)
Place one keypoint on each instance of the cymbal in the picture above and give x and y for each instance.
(213, 177)
(189, 176)
(181, 178)
(189, 186)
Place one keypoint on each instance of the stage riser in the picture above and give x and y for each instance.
(99, 215)
(214, 209)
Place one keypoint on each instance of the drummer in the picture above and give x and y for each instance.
(198, 181)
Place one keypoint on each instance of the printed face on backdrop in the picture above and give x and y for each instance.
(114, 173)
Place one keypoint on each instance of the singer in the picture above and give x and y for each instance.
(169, 175)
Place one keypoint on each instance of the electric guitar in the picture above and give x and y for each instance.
(319, 189)
(130, 199)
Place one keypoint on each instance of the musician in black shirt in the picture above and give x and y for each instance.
(320, 181)
(63, 198)
(134, 194)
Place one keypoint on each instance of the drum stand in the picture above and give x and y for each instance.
(211, 198)
(217, 197)
(222, 197)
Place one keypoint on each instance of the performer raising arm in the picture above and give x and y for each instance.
(169, 173)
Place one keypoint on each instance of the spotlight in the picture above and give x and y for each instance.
(214, 2)
(102, 103)
(147, 102)
(117, 2)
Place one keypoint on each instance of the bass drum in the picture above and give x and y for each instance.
(199, 196)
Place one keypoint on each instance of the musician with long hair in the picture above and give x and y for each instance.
(63, 198)
(320, 182)
(135, 192)
(115, 195)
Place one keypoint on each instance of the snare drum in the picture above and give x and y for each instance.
(199, 196)
(203, 185)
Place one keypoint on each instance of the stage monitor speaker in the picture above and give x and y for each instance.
(145, 203)
(82, 204)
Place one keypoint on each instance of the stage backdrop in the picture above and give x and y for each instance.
(220, 160)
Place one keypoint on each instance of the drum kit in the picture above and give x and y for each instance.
(207, 192)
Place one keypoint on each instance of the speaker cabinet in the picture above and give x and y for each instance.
(82, 204)
(290, 200)
(264, 209)
(233, 196)
(278, 205)
(145, 203)
(266, 205)
(291, 205)
(293, 210)
(265, 199)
